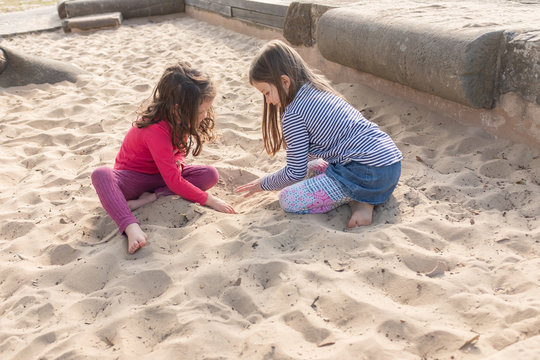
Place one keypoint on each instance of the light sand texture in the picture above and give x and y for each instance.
(448, 270)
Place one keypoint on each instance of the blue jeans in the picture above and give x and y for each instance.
(367, 184)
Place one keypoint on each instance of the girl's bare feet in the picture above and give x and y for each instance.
(136, 237)
(361, 214)
(144, 199)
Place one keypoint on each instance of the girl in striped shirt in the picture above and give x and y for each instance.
(353, 160)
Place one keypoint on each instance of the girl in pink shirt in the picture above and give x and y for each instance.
(151, 160)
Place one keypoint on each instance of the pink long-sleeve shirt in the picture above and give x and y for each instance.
(150, 150)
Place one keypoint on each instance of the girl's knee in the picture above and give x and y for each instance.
(100, 174)
(213, 175)
(285, 201)
(210, 178)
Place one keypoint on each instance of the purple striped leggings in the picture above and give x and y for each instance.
(115, 187)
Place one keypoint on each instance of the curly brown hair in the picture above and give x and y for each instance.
(176, 99)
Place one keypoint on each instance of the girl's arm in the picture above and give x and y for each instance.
(169, 164)
(296, 136)
(297, 139)
(160, 146)
(251, 188)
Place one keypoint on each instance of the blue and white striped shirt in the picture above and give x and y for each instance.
(319, 124)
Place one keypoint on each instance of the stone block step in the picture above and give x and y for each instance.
(92, 22)
(462, 66)
(128, 8)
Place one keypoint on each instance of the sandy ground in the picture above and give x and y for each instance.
(21, 5)
(448, 270)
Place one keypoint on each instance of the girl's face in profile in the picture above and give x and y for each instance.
(269, 92)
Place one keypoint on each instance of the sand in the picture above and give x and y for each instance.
(448, 270)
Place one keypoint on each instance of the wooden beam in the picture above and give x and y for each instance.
(259, 18)
(214, 6)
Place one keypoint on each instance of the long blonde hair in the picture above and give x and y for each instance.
(274, 60)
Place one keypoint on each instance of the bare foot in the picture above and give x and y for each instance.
(144, 199)
(361, 214)
(136, 237)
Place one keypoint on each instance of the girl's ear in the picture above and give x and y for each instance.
(286, 82)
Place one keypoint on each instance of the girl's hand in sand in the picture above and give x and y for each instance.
(251, 188)
(219, 205)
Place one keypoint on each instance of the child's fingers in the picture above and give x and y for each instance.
(249, 192)
(243, 188)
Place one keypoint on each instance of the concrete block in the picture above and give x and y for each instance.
(128, 8)
(460, 66)
(19, 69)
(3, 61)
(297, 26)
(521, 65)
(301, 20)
(92, 22)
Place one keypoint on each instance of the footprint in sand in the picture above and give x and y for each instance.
(442, 192)
(240, 301)
(399, 330)
(142, 331)
(32, 161)
(316, 335)
(62, 254)
(419, 262)
(496, 169)
(88, 310)
(148, 285)
(234, 177)
(407, 290)
(92, 275)
(235, 138)
(15, 229)
(423, 239)
(46, 124)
